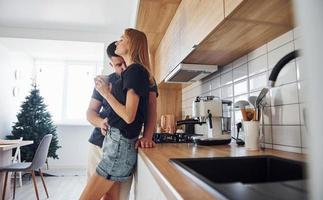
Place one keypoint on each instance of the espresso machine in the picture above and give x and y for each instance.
(217, 115)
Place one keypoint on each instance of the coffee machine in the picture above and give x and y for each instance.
(217, 115)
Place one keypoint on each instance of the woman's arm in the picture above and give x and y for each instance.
(150, 124)
(126, 112)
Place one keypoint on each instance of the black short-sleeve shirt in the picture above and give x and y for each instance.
(135, 77)
(96, 137)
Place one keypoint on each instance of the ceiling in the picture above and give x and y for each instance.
(64, 29)
(56, 50)
(84, 20)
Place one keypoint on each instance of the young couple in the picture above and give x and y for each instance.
(128, 100)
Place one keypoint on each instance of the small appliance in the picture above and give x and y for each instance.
(217, 114)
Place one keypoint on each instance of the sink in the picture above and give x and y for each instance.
(246, 170)
(247, 178)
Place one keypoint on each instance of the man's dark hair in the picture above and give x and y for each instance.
(111, 50)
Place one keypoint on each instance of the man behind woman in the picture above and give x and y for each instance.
(128, 99)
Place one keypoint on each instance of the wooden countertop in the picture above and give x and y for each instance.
(175, 184)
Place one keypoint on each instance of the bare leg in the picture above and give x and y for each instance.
(114, 192)
(96, 187)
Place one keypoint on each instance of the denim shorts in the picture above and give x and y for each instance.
(119, 156)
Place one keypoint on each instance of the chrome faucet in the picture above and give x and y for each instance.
(281, 63)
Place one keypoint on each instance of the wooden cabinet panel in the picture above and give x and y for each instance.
(198, 19)
(192, 22)
(167, 50)
(230, 5)
(252, 24)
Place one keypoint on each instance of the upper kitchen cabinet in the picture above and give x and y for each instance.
(197, 19)
(220, 31)
(192, 22)
(153, 19)
(230, 5)
(248, 26)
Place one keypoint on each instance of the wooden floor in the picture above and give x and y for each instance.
(64, 187)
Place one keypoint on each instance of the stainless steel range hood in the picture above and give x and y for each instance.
(187, 73)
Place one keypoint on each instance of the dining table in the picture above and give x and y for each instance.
(6, 148)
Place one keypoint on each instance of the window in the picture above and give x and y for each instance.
(66, 88)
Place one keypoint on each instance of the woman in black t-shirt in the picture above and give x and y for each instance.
(129, 101)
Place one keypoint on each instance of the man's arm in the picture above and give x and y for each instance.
(92, 115)
(150, 124)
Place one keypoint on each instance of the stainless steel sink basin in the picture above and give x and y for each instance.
(248, 178)
(251, 169)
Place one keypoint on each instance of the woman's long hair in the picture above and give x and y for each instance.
(138, 49)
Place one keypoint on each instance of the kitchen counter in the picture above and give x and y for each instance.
(175, 184)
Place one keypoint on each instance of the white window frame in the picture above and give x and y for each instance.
(63, 120)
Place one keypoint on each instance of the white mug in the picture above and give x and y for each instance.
(251, 130)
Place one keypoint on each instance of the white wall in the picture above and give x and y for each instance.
(74, 142)
(246, 76)
(73, 139)
(9, 105)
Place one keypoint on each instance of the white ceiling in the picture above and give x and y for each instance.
(50, 26)
(104, 17)
(56, 50)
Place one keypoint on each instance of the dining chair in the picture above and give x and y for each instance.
(37, 163)
(17, 159)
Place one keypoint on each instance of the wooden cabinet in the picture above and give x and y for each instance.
(167, 53)
(215, 32)
(192, 22)
(230, 5)
(251, 24)
(198, 19)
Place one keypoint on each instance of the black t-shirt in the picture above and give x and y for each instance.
(135, 77)
(96, 137)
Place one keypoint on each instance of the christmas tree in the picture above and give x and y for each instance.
(34, 122)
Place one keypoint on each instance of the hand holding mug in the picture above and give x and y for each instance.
(102, 86)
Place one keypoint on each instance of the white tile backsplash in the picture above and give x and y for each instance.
(227, 91)
(279, 41)
(258, 52)
(246, 76)
(287, 135)
(241, 87)
(216, 92)
(286, 94)
(215, 83)
(240, 73)
(226, 78)
(287, 75)
(288, 148)
(285, 115)
(268, 134)
(240, 61)
(226, 68)
(275, 55)
(257, 65)
(258, 82)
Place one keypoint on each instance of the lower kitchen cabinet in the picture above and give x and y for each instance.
(146, 187)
